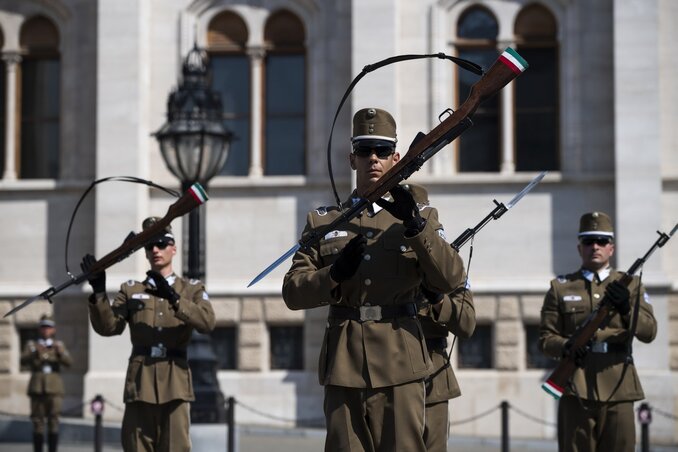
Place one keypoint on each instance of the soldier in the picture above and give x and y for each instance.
(162, 312)
(373, 359)
(596, 410)
(45, 357)
(440, 315)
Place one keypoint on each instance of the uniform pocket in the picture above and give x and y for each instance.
(331, 249)
(401, 259)
(573, 314)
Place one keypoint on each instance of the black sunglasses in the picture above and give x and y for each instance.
(161, 245)
(382, 152)
(600, 241)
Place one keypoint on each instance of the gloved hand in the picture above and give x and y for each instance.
(96, 280)
(405, 209)
(576, 353)
(349, 259)
(432, 297)
(162, 287)
(618, 296)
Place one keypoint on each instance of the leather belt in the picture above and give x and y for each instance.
(605, 347)
(436, 343)
(375, 313)
(158, 351)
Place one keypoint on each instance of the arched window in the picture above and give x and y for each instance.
(285, 95)
(536, 109)
(227, 37)
(479, 149)
(40, 99)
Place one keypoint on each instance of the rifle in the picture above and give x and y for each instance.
(556, 382)
(507, 67)
(194, 197)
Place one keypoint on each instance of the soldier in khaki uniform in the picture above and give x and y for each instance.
(374, 358)
(440, 315)
(162, 312)
(596, 410)
(45, 357)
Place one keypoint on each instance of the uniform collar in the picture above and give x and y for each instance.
(170, 280)
(372, 208)
(46, 342)
(602, 274)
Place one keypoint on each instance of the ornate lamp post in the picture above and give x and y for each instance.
(194, 144)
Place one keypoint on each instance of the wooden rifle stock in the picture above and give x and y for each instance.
(194, 197)
(556, 382)
(507, 67)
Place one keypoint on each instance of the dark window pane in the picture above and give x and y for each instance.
(476, 352)
(287, 347)
(40, 105)
(477, 23)
(285, 115)
(536, 112)
(479, 146)
(535, 358)
(26, 334)
(231, 78)
(225, 346)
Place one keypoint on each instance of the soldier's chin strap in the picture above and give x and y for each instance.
(464, 64)
(131, 179)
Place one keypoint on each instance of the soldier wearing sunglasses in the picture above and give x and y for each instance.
(596, 410)
(374, 360)
(162, 311)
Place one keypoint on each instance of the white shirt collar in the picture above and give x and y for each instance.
(602, 274)
(170, 280)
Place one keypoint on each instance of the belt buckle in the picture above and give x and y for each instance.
(158, 351)
(599, 347)
(370, 313)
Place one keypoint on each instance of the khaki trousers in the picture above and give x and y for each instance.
(45, 406)
(590, 426)
(375, 420)
(437, 426)
(148, 427)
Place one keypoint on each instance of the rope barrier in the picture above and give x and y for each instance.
(309, 421)
(663, 413)
(531, 417)
(112, 405)
(473, 418)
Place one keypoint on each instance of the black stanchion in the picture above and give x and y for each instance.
(504, 426)
(230, 419)
(97, 408)
(645, 419)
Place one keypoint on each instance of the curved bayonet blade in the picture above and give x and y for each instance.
(23, 305)
(279, 261)
(526, 190)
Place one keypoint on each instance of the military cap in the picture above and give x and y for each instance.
(164, 234)
(374, 125)
(46, 320)
(595, 224)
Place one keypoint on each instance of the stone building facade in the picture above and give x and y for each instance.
(90, 80)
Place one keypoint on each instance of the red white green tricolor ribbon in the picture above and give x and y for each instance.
(514, 61)
(553, 389)
(198, 193)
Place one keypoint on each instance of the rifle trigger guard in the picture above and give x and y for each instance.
(447, 111)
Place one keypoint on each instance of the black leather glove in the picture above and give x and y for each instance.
(432, 297)
(162, 287)
(618, 296)
(405, 209)
(96, 280)
(349, 259)
(576, 353)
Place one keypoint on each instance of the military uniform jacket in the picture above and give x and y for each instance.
(373, 353)
(45, 359)
(153, 322)
(457, 316)
(568, 302)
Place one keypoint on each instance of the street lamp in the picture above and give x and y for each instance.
(194, 145)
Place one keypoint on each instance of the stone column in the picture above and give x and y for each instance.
(256, 55)
(12, 60)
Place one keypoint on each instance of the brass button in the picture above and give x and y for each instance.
(368, 281)
(596, 296)
(403, 248)
(335, 250)
(369, 234)
(367, 257)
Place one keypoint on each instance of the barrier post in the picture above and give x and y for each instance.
(504, 426)
(230, 419)
(97, 409)
(645, 419)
